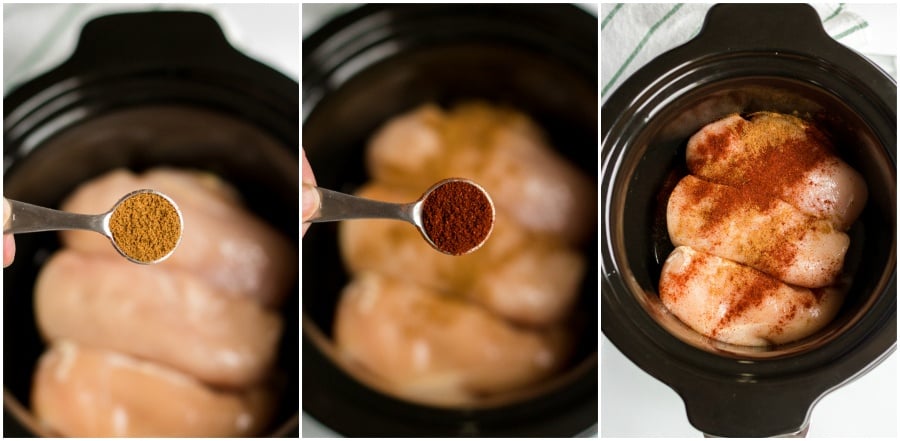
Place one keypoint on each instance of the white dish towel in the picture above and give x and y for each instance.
(632, 34)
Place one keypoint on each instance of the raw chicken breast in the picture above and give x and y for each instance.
(520, 276)
(166, 315)
(409, 149)
(222, 242)
(502, 150)
(781, 155)
(435, 348)
(736, 304)
(86, 392)
(764, 233)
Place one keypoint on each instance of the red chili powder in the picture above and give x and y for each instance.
(779, 152)
(772, 252)
(749, 288)
(457, 216)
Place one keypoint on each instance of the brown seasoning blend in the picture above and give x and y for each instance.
(146, 227)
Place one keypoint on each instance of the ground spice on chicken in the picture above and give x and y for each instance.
(678, 281)
(776, 157)
(779, 151)
(748, 290)
(771, 252)
(458, 217)
(146, 227)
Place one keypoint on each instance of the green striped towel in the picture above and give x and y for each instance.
(632, 34)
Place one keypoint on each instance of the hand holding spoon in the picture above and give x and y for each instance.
(145, 226)
(455, 216)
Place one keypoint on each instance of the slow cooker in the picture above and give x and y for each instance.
(144, 90)
(747, 58)
(377, 61)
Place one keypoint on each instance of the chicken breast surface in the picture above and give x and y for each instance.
(502, 150)
(761, 232)
(166, 315)
(736, 304)
(86, 392)
(783, 156)
(435, 348)
(521, 277)
(222, 242)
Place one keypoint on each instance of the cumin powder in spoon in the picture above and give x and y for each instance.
(146, 227)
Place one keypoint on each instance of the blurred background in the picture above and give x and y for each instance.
(37, 37)
(634, 404)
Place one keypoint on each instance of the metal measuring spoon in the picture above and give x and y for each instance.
(337, 206)
(28, 218)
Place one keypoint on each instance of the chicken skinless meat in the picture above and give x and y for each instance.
(494, 319)
(165, 315)
(502, 150)
(518, 275)
(736, 304)
(222, 242)
(182, 348)
(85, 392)
(759, 227)
(428, 345)
(784, 156)
(770, 235)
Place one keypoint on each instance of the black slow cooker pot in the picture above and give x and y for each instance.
(144, 90)
(747, 58)
(378, 61)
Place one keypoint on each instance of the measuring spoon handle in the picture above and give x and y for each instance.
(336, 206)
(28, 218)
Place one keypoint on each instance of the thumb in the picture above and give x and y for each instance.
(310, 201)
(9, 244)
(7, 212)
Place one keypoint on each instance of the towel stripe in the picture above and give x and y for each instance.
(610, 15)
(640, 46)
(858, 27)
(696, 31)
(835, 13)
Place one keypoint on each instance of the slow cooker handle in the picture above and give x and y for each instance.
(750, 410)
(158, 39)
(788, 27)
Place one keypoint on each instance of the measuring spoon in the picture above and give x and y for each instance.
(28, 218)
(337, 206)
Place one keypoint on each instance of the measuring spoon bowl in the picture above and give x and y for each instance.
(336, 206)
(29, 218)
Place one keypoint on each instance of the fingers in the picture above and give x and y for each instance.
(310, 196)
(9, 250)
(9, 245)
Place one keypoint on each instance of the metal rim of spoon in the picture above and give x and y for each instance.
(29, 218)
(336, 206)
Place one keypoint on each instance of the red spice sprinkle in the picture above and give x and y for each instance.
(778, 154)
(458, 217)
(677, 282)
(748, 291)
(772, 252)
